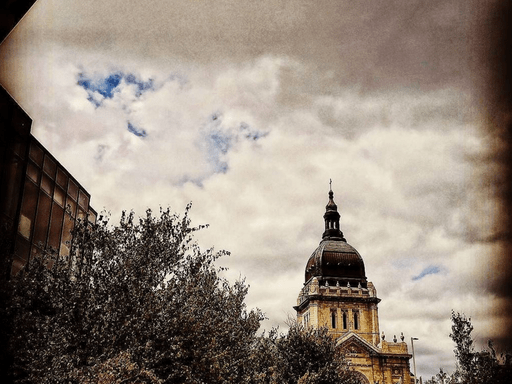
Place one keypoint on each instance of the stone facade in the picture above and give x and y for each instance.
(337, 295)
(341, 309)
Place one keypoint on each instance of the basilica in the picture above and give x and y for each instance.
(337, 295)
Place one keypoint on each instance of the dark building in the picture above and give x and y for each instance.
(11, 12)
(40, 200)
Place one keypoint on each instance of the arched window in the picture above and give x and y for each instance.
(306, 319)
(356, 320)
(344, 320)
(360, 378)
(333, 319)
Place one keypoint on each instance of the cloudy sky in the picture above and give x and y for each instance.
(248, 108)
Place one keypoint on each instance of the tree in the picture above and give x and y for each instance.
(473, 367)
(311, 356)
(302, 355)
(118, 370)
(142, 303)
(141, 291)
(5, 295)
(441, 378)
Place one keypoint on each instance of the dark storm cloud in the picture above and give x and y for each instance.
(495, 88)
(356, 114)
(375, 44)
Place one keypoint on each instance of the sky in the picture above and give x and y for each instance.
(248, 108)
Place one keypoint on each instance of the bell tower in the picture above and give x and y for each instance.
(337, 295)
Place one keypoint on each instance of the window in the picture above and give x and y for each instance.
(22, 252)
(24, 226)
(47, 185)
(333, 319)
(62, 178)
(81, 214)
(306, 319)
(58, 196)
(65, 244)
(83, 200)
(33, 172)
(73, 190)
(42, 220)
(56, 223)
(344, 320)
(36, 154)
(356, 320)
(91, 215)
(28, 209)
(49, 167)
(71, 207)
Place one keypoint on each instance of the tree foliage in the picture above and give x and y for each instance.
(310, 356)
(473, 367)
(118, 370)
(302, 355)
(441, 377)
(144, 288)
(140, 302)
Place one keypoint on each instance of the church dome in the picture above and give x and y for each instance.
(335, 262)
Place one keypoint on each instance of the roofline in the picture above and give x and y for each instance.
(352, 299)
(320, 277)
(342, 339)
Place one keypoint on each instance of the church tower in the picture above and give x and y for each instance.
(337, 295)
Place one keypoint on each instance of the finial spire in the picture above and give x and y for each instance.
(332, 219)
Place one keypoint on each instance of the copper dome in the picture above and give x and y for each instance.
(336, 262)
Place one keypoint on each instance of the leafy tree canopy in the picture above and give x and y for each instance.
(140, 302)
(143, 288)
(302, 355)
(473, 367)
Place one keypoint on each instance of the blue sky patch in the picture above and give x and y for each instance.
(104, 86)
(100, 88)
(251, 134)
(221, 139)
(218, 144)
(430, 270)
(142, 86)
(136, 130)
